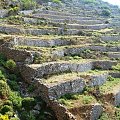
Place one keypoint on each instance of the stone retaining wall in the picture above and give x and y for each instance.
(62, 17)
(40, 71)
(93, 112)
(41, 43)
(114, 55)
(81, 49)
(117, 98)
(15, 30)
(73, 86)
(17, 55)
(58, 21)
(110, 38)
(61, 112)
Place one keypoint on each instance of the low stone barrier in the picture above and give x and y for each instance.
(41, 43)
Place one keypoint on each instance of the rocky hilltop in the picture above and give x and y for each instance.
(65, 56)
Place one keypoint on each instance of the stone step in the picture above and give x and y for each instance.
(29, 72)
(110, 38)
(111, 91)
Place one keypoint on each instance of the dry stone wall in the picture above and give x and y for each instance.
(17, 55)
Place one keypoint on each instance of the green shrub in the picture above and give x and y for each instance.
(13, 10)
(24, 115)
(87, 99)
(31, 88)
(13, 77)
(6, 109)
(106, 12)
(28, 4)
(2, 77)
(117, 67)
(8, 102)
(70, 97)
(28, 103)
(4, 89)
(31, 116)
(27, 116)
(14, 118)
(104, 116)
(14, 85)
(2, 59)
(16, 100)
(10, 64)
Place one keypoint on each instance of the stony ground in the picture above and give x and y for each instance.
(71, 57)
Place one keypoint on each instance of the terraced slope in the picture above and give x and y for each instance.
(72, 60)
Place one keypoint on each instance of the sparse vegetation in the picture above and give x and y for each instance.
(74, 100)
(110, 84)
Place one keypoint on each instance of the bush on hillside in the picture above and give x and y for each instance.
(28, 4)
(10, 64)
(106, 12)
(4, 89)
(6, 109)
(28, 103)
